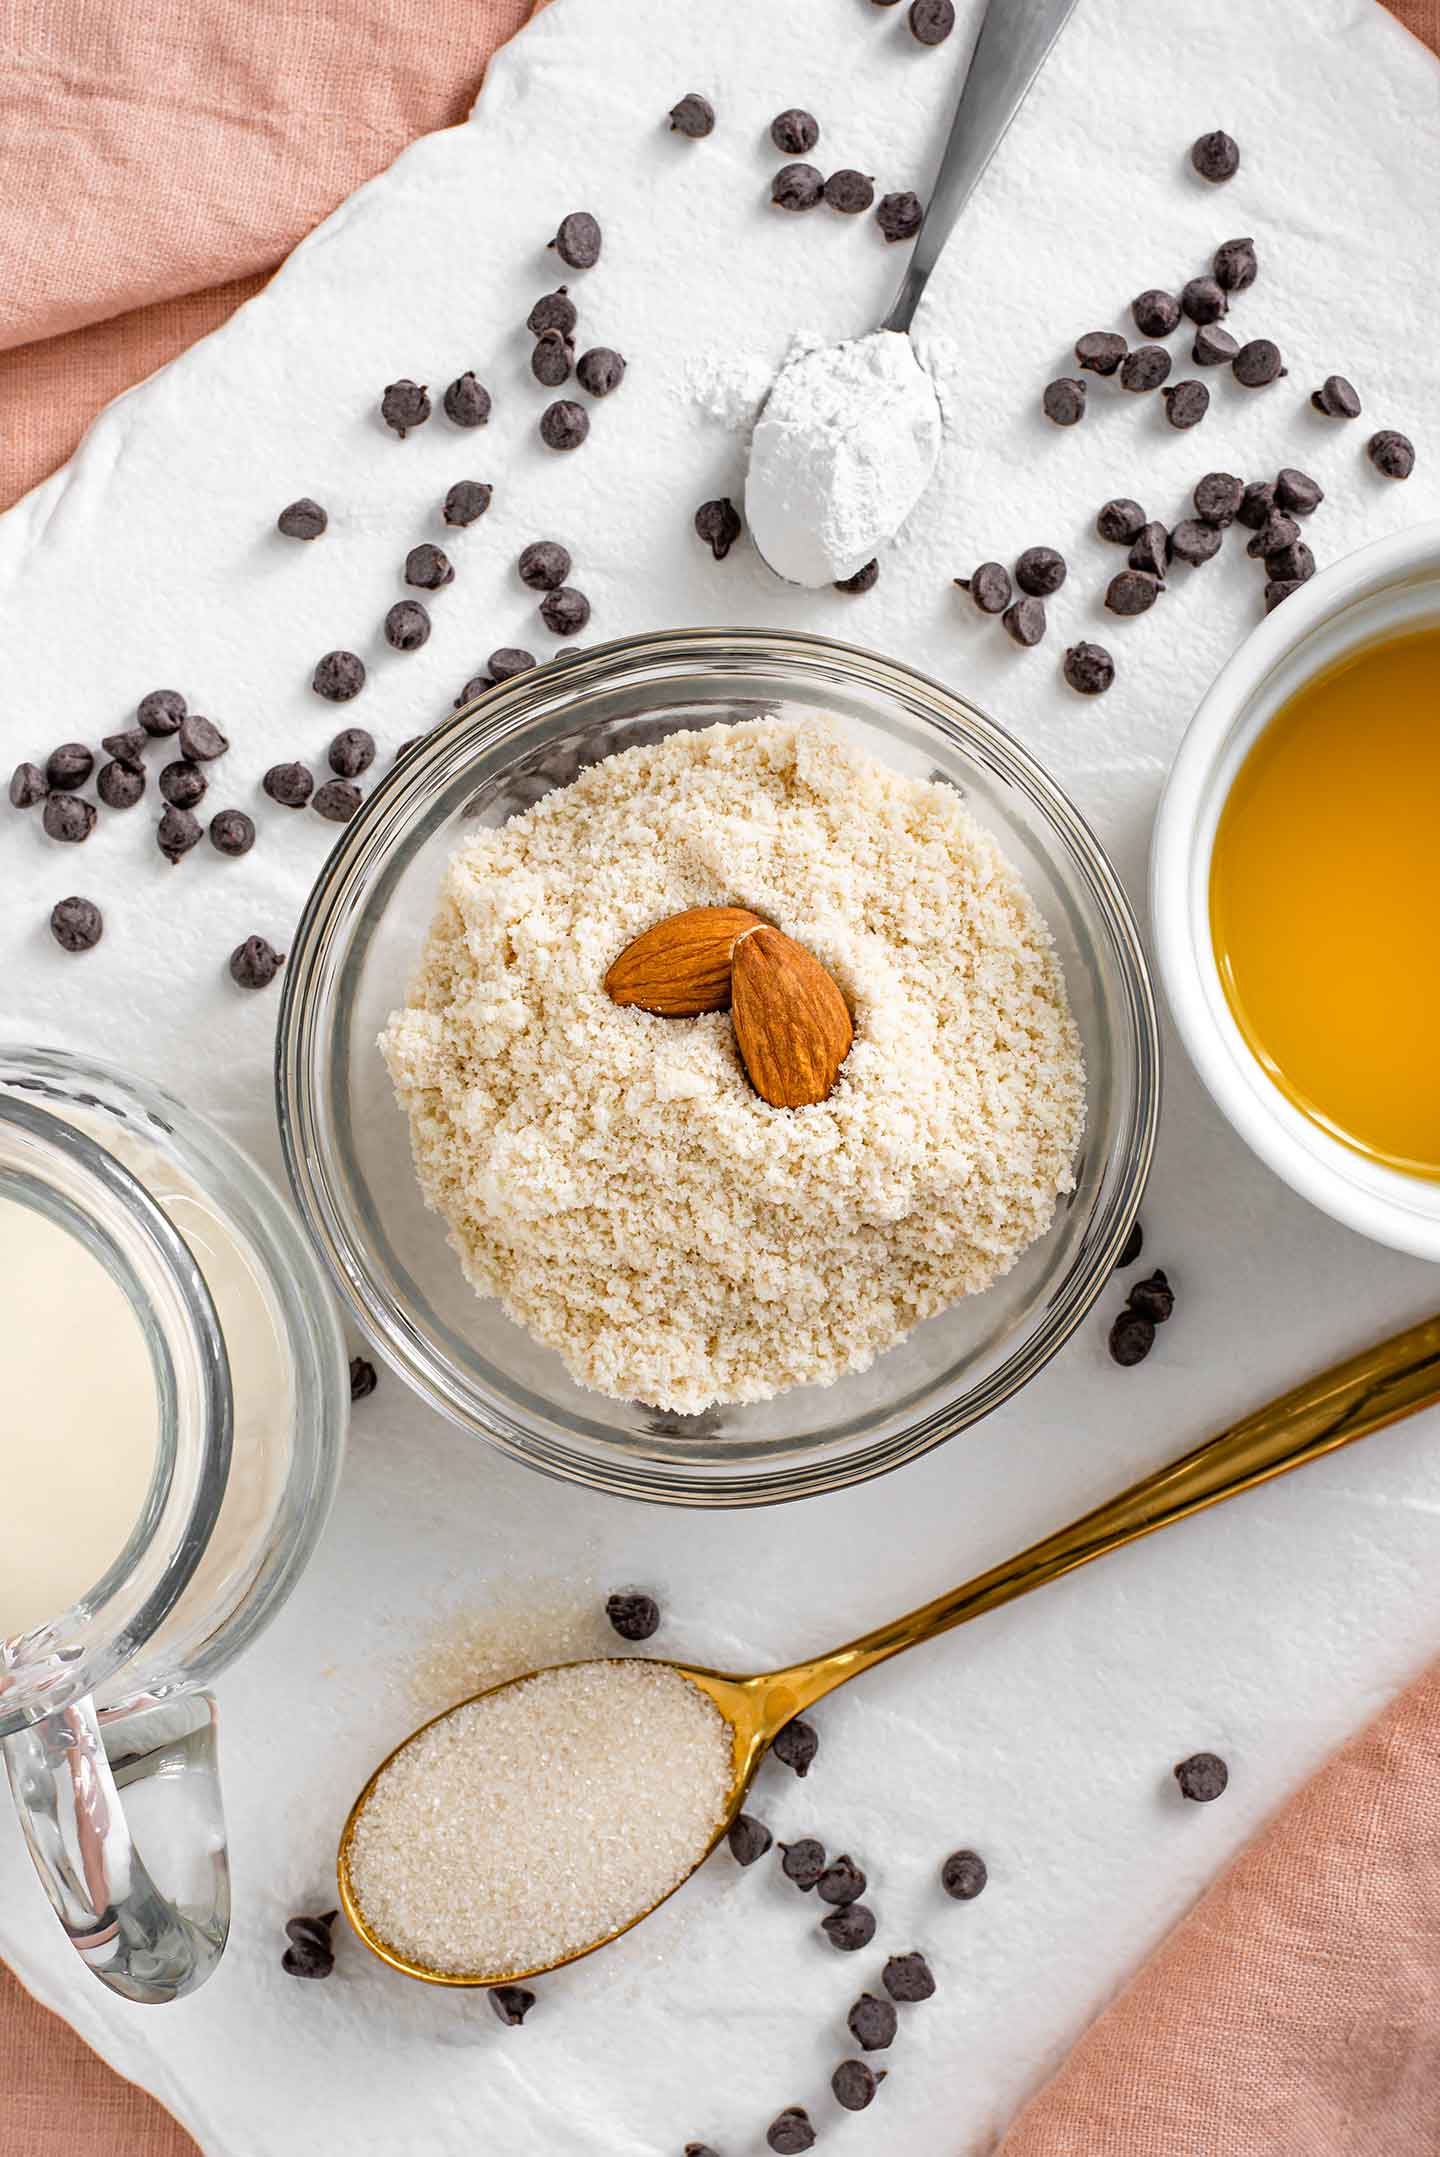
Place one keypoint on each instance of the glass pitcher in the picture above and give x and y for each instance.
(107, 1731)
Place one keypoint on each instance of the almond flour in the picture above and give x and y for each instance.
(613, 1178)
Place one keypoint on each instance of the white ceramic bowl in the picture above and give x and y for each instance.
(1390, 586)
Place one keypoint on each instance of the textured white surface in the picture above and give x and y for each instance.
(1043, 1736)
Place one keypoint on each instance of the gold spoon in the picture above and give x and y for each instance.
(1331, 1410)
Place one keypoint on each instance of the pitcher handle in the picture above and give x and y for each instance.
(67, 1774)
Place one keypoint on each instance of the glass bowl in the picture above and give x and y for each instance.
(347, 1144)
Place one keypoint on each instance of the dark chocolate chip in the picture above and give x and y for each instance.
(578, 240)
(1089, 669)
(1217, 497)
(1063, 400)
(842, 1881)
(76, 924)
(564, 424)
(699, 2149)
(509, 660)
(854, 2084)
(803, 1862)
(794, 132)
(1294, 564)
(908, 1978)
(476, 686)
(127, 748)
(553, 311)
(289, 784)
(1131, 1338)
(1235, 266)
(119, 785)
(550, 361)
(633, 1615)
(178, 831)
(989, 586)
(1258, 363)
(351, 752)
(964, 1874)
(872, 2022)
(1336, 398)
(512, 2003)
(790, 2132)
(718, 524)
(849, 1928)
(864, 579)
(1256, 503)
(311, 1952)
(1145, 368)
(748, 1838)
(796, 1745)
(797, 187)
(337, 800)
(363, 1378)
(1213, 347)
(405, 747)
(1297, 492)
(900, 215)
(1134, 1245)
(1215, 156)
(405, 404)
(70, 818)
(1040, 571)
(931, 21)
(565, 611)
(1024, 620)
(1099, 351)
(428, 568)
(1391, 453)
(1153, 1298)
(600, 370)
(1186, 403)
(693, 116)
(467, 401)
(232, 832)
(69, 766)
(1120, 520)
(182, 784)
(1202, 1777)
(1276, 532)
(544, 564)
(467, 500)
(1203, 300)
(1133, 591)
(850, 191)
(201, 740)
(338, 677)
(407, 625)
(1194, 540)
(27, 786)
(1276, 589)
(1155, 313)
(1151, 550)
(302, 520)
(161, 711)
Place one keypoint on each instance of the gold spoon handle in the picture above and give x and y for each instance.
(1331, 1410)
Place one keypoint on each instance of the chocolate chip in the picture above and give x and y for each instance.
(119, 785)
(351, 752)
(908, 1978)
(1258, 363)
(76, 924)
(1203, 300)
(578, 240)
(232, 832)
(127, 748)
(1024, 620)
(796, 1745)
(1294, 564)
(1276, 532)
(1151, 550)
(1215, 156)
(842, 1881)
(512, 2003)
(509, 660)
(1063, 401)
(289, 784)
(177, 832)
(27, 786)
(302, 520)
(989, 586)
(1186, 403)
(790, 2132)
(794, 132)
(1256, 503)
(1202, 1777)
(864, 579)
(1336, 398)
(1145, 368)
(964, 1874)
(476, 686)
(1040, 571)
(1213, 347)
(182, 784)
(1235, 266)
(1276, 589)
(872, 2022)
(1153, 1298)
(201, 740)
(849, 191)
(466, 501)
(849, 1928)
(69, 766)
(633, 1615)
(70, 818)
(748, 1838)
(544, 564)
(1217, 497)
(405, 404)
(337, 800)
(600, 370)
(1131, 1338)
(1120, 520)
(553, 311)
(693, 116)
(1155, 313)
(718, 524)
(1131, 592)
(900, 216)
(1297, 491)
(699, 2149)
(338, 677)
(1134, 1245)
(428, 568)
(363, 1378)
(1391, 453)
(803, 1862)
(931, 21)
(565, 611)
(407, 625)
(467, 401)
(161, 711)
(1089, 669)
(854, 2084)
(551, 358)
(564, 424)
(1194, 540)
(797, 187)
(311, 1952)
(1099, 351)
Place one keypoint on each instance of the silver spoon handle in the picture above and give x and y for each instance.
(1010, 51)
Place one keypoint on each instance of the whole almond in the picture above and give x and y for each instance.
(790, 1019)
(681, 967)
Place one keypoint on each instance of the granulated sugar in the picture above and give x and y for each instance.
(614, 1178)
(527, 1825)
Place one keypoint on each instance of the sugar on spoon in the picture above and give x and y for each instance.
(1346, 1402)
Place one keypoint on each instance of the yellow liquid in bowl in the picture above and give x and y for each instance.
(1325, 901)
